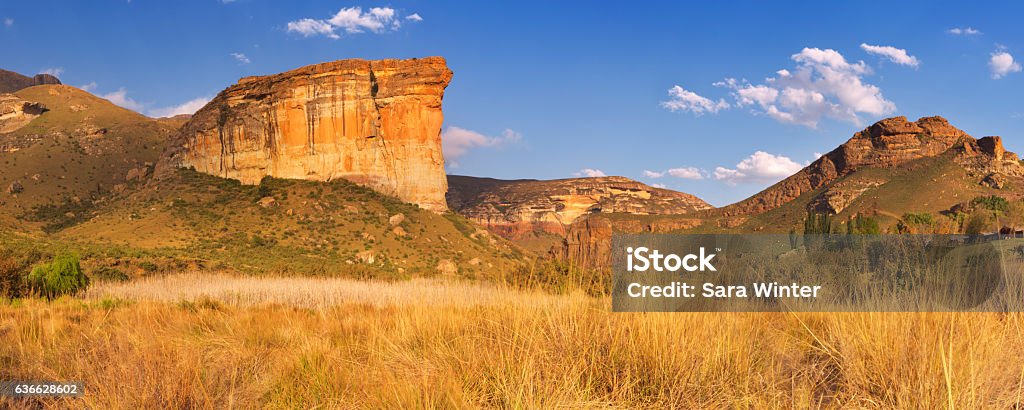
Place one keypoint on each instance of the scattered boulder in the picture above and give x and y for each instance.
(995, 181)
(138, 174)
(367, 257)
(447, 267)
(474, 262)
(396, 219)
(267, 202)
(15, 188)
(399, 231)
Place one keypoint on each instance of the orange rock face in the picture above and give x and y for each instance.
(516, 209)
(375, 123)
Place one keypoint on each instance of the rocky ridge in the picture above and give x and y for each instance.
(11, 81)
(518, 208)
(886, 144)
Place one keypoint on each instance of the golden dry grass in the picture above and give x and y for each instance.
(322, 343)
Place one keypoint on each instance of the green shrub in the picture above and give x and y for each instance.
(864, 225)
(63, 276)
(110, 274)
(992, 203)
(918, 219)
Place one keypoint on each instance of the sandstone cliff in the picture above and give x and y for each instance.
(518, 208)
(376, 123)
(11, 81)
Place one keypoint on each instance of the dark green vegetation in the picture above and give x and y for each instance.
(62, 276)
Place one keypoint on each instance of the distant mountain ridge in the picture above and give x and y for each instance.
(889, 169)
(526, 208)
(11, 81)
(886, 144)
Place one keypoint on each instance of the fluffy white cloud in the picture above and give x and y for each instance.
(8, 22)
(352, 20)
(242, 58)
(685, 100)
(590, 173)
(966, 31)
(121, 98)
(54, 71)
(822, 85)
(311, 27)
(457, 142)
(188, 107)
(684, 173)
(896, 55)
(662, 186)
(760, 167)
(687, 173)
(1002, 63)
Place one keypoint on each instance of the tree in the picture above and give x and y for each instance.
(62, 276)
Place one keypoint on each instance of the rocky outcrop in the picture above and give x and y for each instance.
(16, 112)
(888, 143)
(11, 81)
(376, 123)
(905, 159)
(518, 208)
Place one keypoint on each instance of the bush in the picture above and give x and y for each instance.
(992, 203)
(110, 274)
(63, 276)
(11, 284)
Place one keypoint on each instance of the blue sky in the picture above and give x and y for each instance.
(554, 89)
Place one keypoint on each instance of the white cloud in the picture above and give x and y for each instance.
(822, 85)
(684, 173)
(310, 27)
(188, 107)
(967, 31)
(90, 87)
(896, 55)
(457, 142)
(662, 186)
(352, 20)
(1002, 63)
(685, 100)
(8, 22)
(54, 71)
(242, 58)
(120, 98)
(687, 173)
(760, 167)
(590, 173)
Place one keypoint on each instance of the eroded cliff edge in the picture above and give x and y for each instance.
(375, 123)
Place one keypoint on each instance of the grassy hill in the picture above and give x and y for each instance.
(72, 157)
(84, 169)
